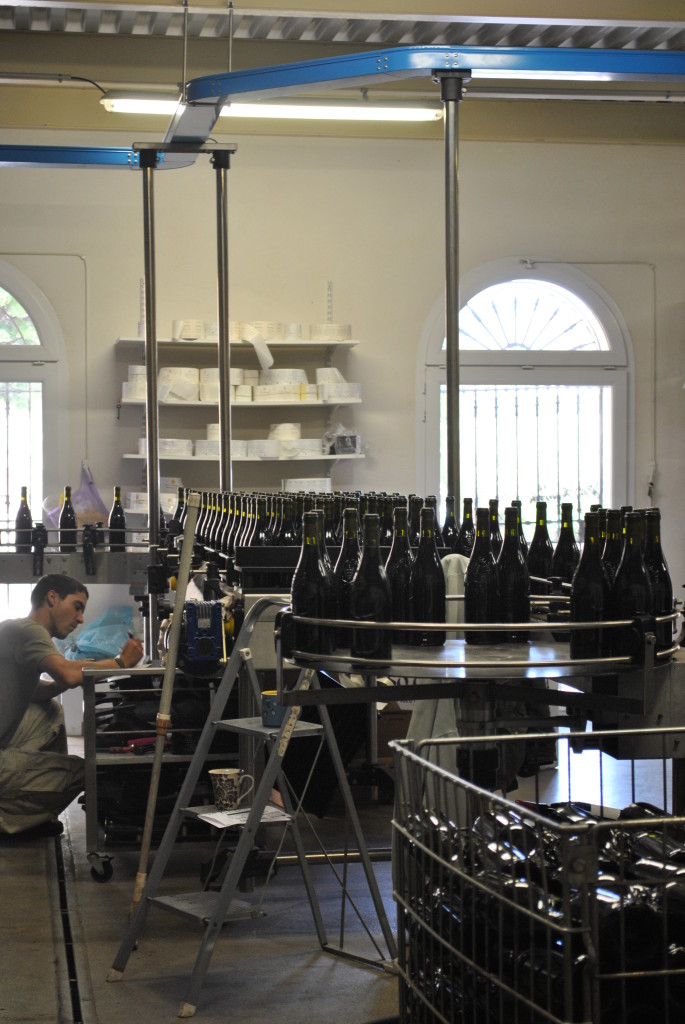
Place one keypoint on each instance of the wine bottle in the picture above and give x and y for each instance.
(450, 527)
(512, 578)
(566, 554)
(427, 584)
(311, 592)
(398, 570)
(387, 505)
(370, 597)
(432, 502)
(67, 523)
(117, 523)
(540, 552)
(180, 505)
(344, 572)
(522, 537)
(23, 524)
(258, 537)
(631, 593)
(495, 534)
(590, 596)
(415, 506)
(613, 544)
(467, 531)
(481, 594)
(659, 577)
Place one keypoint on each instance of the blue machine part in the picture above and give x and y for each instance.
(202, 635)
(68, 156)
(401, 62)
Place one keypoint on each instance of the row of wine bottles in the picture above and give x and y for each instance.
(497, 894)
(67, 525)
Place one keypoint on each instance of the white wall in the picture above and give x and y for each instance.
(369, 217)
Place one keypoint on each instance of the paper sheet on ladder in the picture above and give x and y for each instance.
(231, 819)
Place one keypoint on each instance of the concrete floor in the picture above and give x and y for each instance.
(263, 969)
(57, 942)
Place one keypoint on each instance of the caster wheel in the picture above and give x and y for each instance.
(104, 872)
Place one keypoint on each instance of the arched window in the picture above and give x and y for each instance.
(544, 391)
(31, 387)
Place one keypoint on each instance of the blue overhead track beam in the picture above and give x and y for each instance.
(67, 156)
(402, 62)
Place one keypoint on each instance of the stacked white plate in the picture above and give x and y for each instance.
(276, 393)
(339, 392)
(178, 384)
(330, 332)
(307, 483)
(302, 448)
(264, 449)
(207, 449)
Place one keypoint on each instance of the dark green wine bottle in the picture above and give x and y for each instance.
(512, 578)
(345, 568)
(23, 525)
(495, 533)
(481, 589)
(432, 502)
(312, 592)
(540, 552)
(398, 570)
(590, 596)
(566, 554)
(428, 584)
(117, 523)
(522, 537)
(613, 544)
(370, 597)
(467, 530)
(631, 592)
(67, 523)
(450, 527)
(659, 577)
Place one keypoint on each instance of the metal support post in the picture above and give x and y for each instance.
(221, 163)
(451, 91)
(148, 162)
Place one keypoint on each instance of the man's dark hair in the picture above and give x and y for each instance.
(62, 585)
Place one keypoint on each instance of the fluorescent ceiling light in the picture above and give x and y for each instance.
(362, 111)
(521, 74)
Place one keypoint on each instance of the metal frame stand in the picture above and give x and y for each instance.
(212, 909)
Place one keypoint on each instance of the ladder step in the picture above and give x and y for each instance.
(200, 906)
(236, 819)
(254, 727)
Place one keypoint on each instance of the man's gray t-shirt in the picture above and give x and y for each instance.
(23, 646)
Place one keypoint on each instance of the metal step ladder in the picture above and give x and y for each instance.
(213, 909)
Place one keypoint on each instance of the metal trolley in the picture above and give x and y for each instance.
(544, 909)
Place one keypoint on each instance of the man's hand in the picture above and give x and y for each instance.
(130, 654)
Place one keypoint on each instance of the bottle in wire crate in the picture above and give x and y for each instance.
(67, 523)
(513, 579)
(427, 584)
(590, 595)
(481, 590)
(370, 596)
(312, 592)
(23, 524)
(117, 523)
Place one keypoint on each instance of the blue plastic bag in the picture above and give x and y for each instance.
(102, 638)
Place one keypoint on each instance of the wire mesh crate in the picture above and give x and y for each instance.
(561, 907)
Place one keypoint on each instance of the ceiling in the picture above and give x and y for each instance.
(57, 55)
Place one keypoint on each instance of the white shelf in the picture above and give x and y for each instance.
(247, 405)
(246, 458)
(166, 345)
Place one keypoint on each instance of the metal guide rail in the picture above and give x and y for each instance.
(556, 909)
(506, 671)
